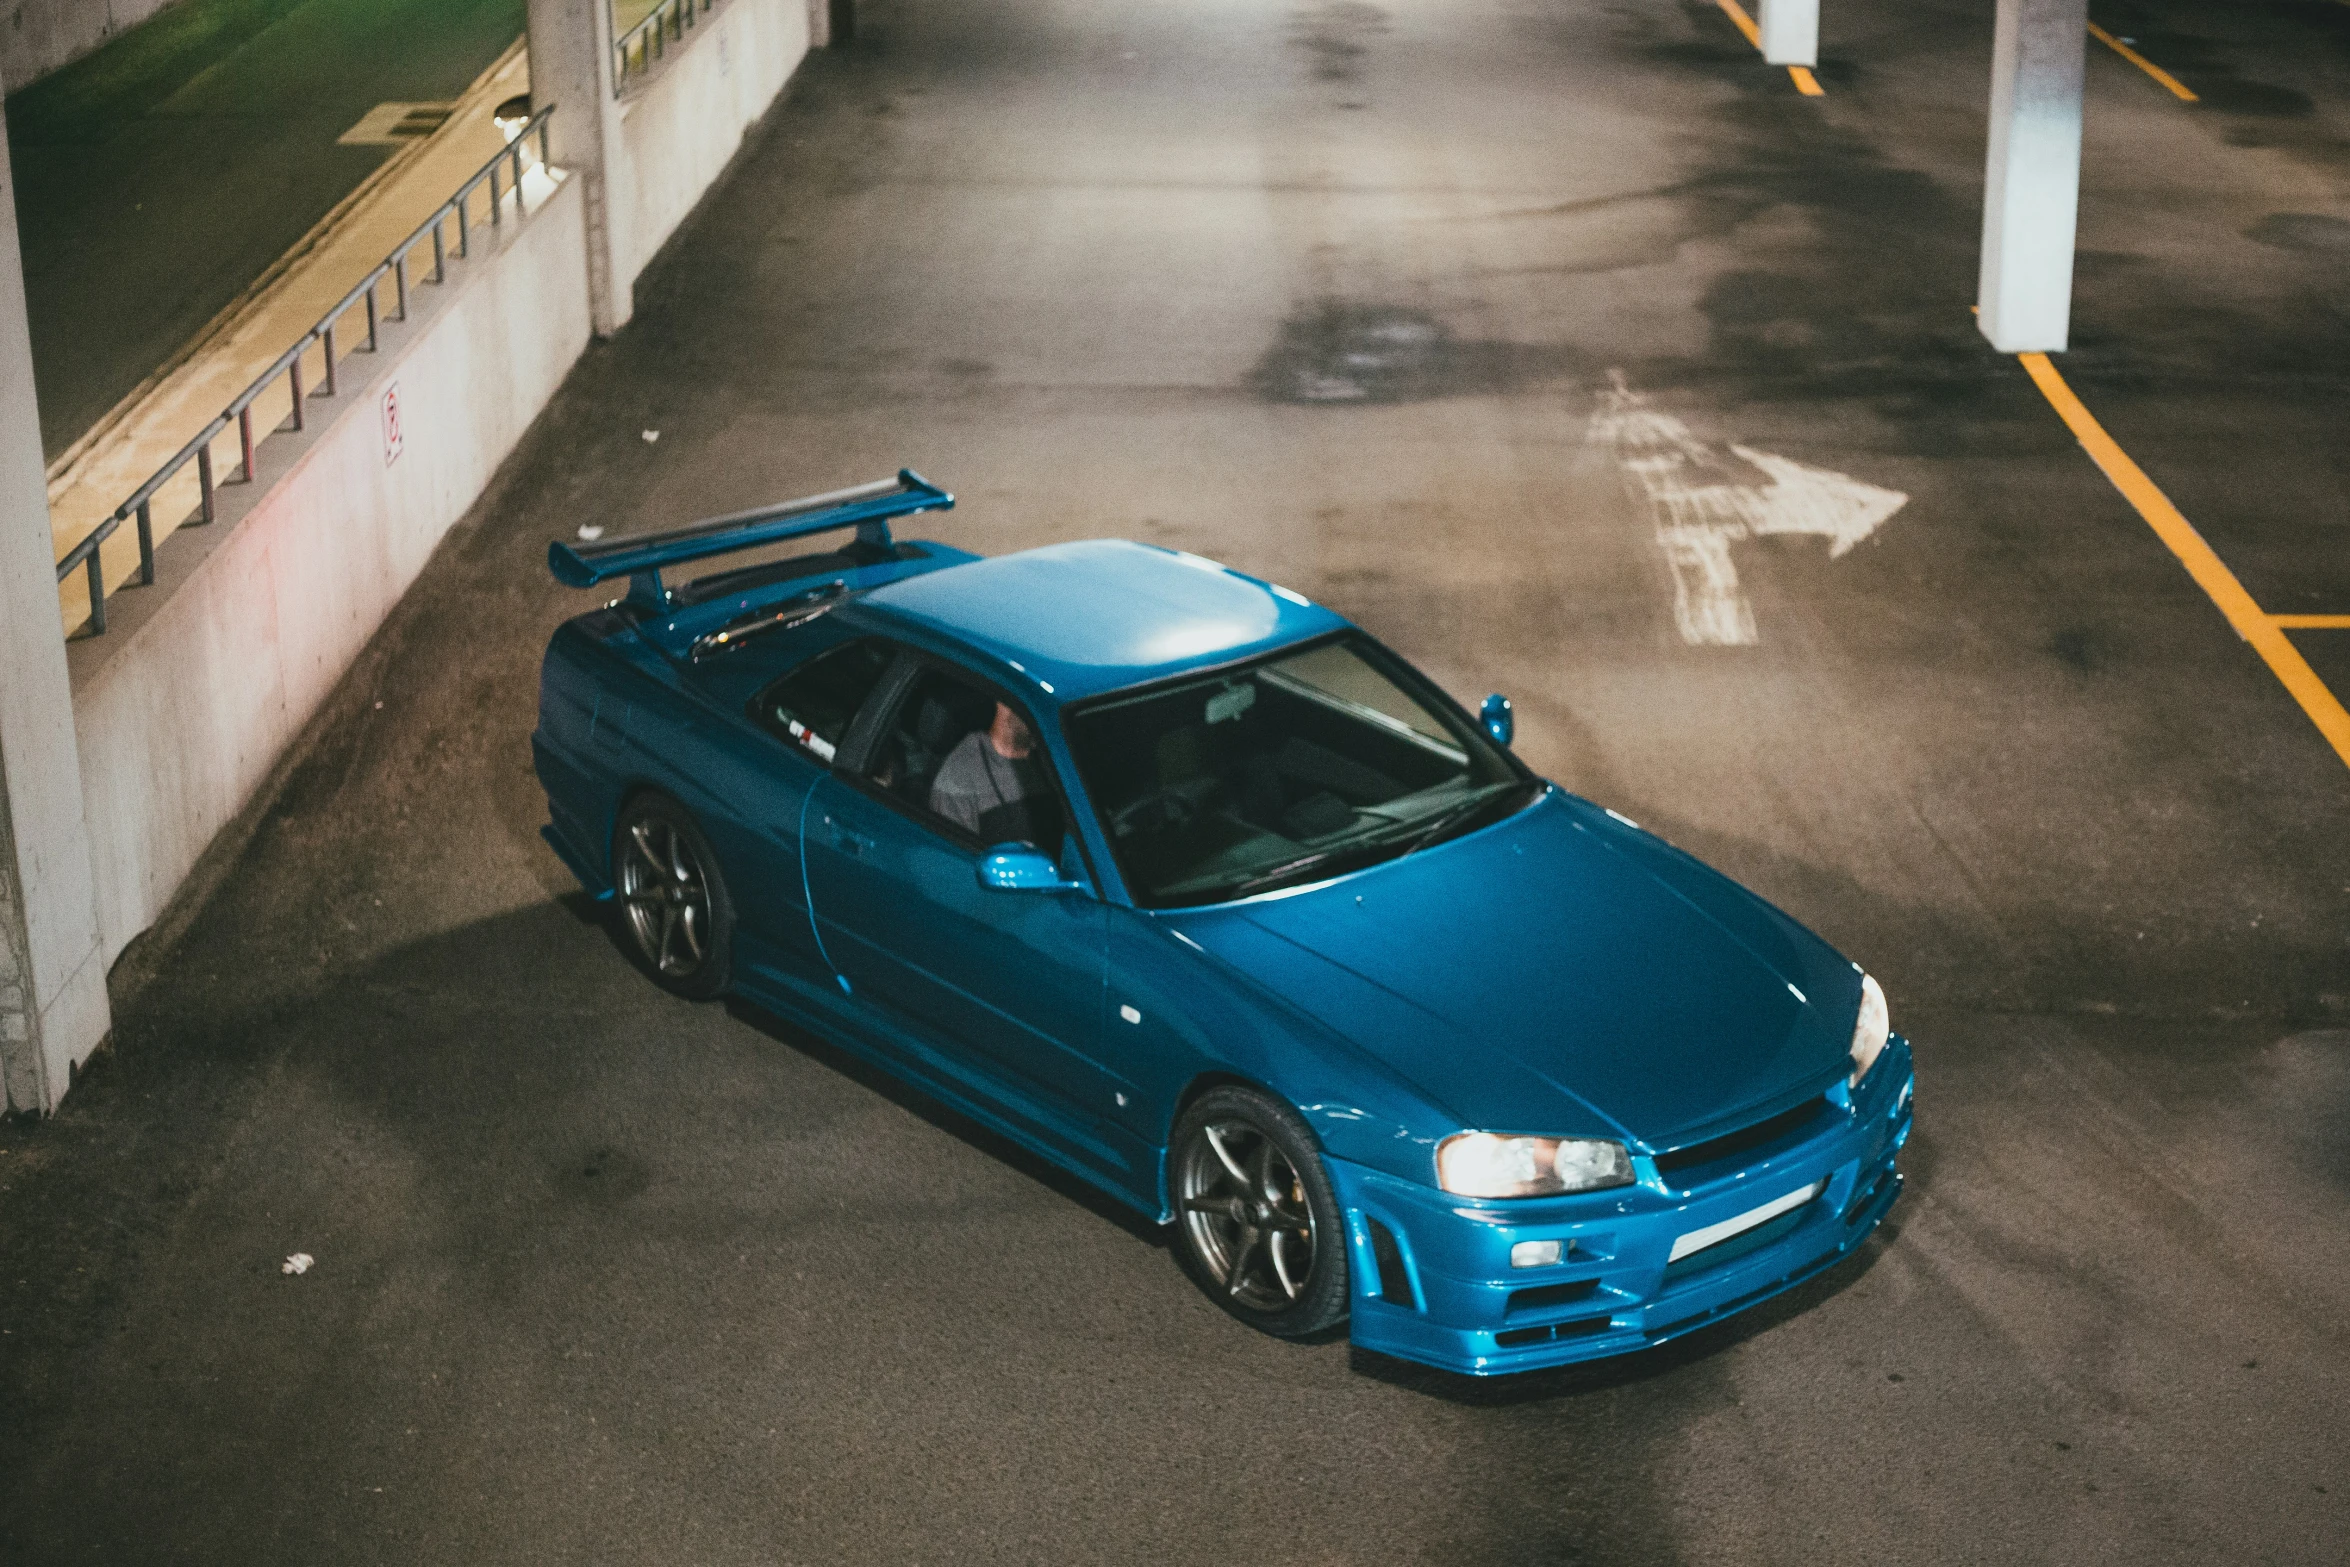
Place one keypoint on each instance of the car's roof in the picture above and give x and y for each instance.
(1100, 615)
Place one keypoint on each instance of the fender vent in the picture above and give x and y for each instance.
(1876, 1189)
(1395, 1280)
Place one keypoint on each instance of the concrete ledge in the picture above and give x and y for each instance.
(183, 708)
(41, 35)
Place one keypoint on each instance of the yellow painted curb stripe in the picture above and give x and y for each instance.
(2141, 62)
(2311, 622)
(1737, 13)
(1805, 83)
(2262, 631)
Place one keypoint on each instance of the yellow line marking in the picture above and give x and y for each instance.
(2262, 631)
(1805, 83)
(1737, 13)
(2311, 622)
(2176, 86)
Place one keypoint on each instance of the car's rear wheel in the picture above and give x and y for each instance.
(672, 900)
(1257, 1223)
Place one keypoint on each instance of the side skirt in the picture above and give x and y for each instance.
(963, 1087)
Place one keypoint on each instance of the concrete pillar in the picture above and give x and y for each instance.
(1790, 31)
(571, 68)
(53, 1007)
(2032, 187)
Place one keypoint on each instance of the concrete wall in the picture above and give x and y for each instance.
(53, 1001)
(681, 124)
(203, 680)
(38, 36)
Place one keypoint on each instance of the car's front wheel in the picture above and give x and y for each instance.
(673, 902)
(1256, 1220)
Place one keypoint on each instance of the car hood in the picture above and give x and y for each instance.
(1559, 972)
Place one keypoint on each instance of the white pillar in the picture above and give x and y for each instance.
(53, 1006)
(2032, 185)
(571, 68)
(1790, 31)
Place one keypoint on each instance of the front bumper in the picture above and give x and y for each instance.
(1432, 1274)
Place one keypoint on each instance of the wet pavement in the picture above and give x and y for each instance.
(1333, 293)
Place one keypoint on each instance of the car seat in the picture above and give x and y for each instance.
(934, 723)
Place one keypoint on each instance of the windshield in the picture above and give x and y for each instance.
(1283, 771)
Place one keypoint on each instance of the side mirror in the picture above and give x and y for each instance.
(1500, 720)
(1020, 867)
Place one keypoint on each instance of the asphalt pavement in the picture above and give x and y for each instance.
(1359, 298)
(159, 176)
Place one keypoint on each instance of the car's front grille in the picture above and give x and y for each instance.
(1548, 1297)
(1744, 1244)
(1699, 1163)
(1514, 1338)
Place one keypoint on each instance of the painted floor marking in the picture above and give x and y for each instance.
(1737, 14)
(396, 124)
(1805, 83)
(2311, 622)
(1699, 508)
(2265, 632)
(2176, 86)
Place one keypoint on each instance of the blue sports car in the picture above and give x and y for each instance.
(1182, 881)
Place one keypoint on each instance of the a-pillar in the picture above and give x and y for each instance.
(1790, 31)
(571, 67)
(2032, 186)
(53, 1007)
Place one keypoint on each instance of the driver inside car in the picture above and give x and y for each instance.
(986, 781)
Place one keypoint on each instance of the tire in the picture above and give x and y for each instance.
(674, 911)
(1246, 1176)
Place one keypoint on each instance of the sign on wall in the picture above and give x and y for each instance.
(393, 439)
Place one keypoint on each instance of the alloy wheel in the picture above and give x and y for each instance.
(667, 896)
(1247, 1216)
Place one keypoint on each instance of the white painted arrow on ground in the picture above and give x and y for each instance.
(1699, 508)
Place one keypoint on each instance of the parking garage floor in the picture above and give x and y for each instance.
(1383, 302)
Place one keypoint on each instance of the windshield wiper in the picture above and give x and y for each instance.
(1457, 816)
(1264, 879)
(1382, 847)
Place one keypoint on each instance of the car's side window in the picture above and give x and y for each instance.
(968, 759)
(813, 706)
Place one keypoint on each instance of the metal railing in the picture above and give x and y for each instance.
(85, 555)
(634, 51)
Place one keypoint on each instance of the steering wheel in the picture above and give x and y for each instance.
(1153, 812)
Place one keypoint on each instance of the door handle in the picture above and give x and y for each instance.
(846, 840)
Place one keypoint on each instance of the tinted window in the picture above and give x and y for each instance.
(962, 755)
(1295, 767)
(813, 705)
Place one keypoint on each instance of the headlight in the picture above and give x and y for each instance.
(1869, 1034)
(1484, 1164)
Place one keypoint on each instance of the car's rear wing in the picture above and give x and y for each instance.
(640, 557)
